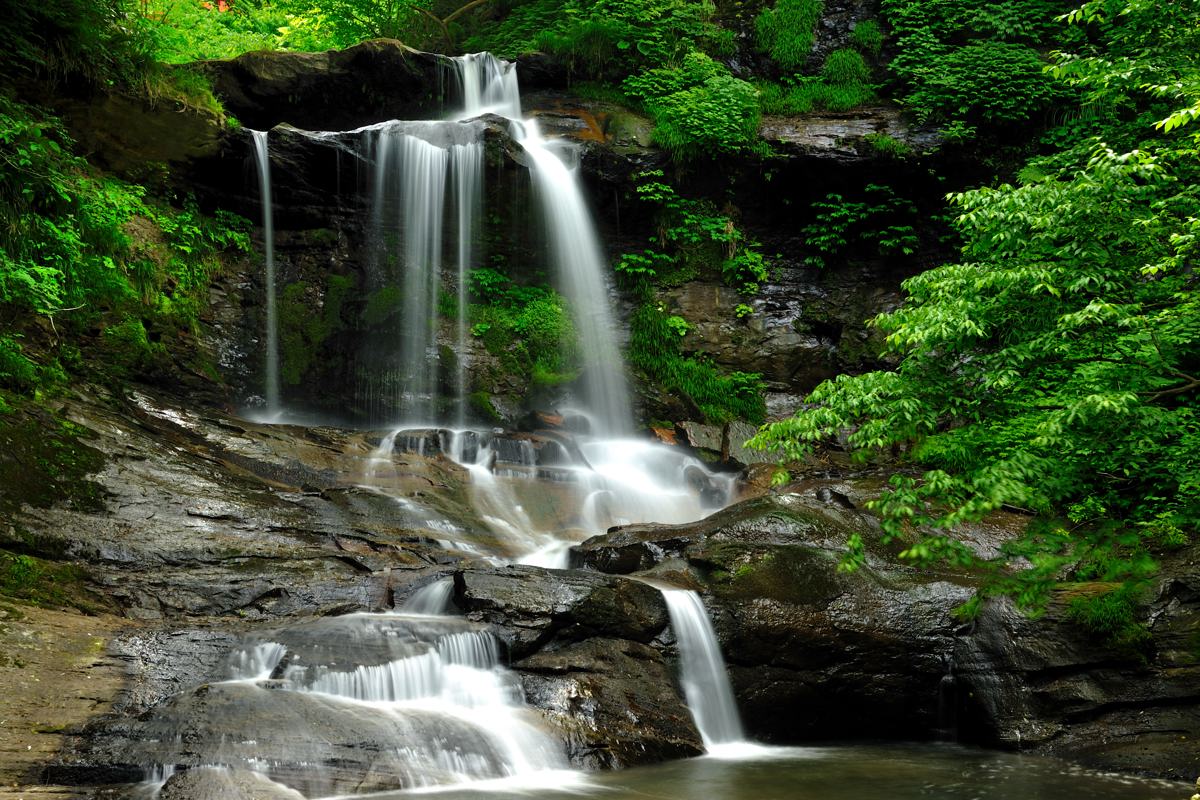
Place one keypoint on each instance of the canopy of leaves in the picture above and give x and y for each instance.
(1056, 367)
(975, 61)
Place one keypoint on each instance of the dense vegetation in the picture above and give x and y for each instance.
(1053, 369)
(100, 278)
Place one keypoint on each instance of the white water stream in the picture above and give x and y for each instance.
(705, 683)
(262, 159)
(489, 85)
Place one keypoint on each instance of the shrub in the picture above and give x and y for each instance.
(16, 370)
(721, 115)
(845, 67)
(654, 348)
(786, 32)
(888, 146)
(698, 107)
(992, 81)
(867, 36)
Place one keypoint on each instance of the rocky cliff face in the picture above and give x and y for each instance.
(806, 324)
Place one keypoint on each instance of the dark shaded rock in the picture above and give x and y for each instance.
(614, 701)
(335, 90)
(806, 325)
(1048, 684)
(811, 651)
(127, 134)
(531, 606)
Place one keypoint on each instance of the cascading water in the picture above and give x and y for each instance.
(262, 159)
(705, 683)
(418, 701)
(468, 193)
(425, 689)
(490, 86)
(417, 167)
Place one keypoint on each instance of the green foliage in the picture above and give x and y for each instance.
(94, 251)
(307, 318)
(658, 46)
(786, 32)
(678, 324)
(990, 81)
(192, 30)
(698, 107)
(43, 583)
(17, 371)
(1054, 368)
(881, 221)
(867, 36)
(43, 462)
(692, 237)
(974, 61)
(382, 304)
(845, 67)
(599, 38)
(1112, 614)
(77, 40)
(528, 327)
(655, 349)
(887, 146)
(841, 86)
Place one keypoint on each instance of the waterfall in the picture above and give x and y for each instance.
(705, 684)
(490, 86)
(580, 265)
(431, 599)
(430, 693)
(418, 168)
(468, 192)
(263, 162)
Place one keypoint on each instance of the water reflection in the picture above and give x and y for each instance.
(848, 772)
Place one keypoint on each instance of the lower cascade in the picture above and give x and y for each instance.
(361, 702)
(705, 683)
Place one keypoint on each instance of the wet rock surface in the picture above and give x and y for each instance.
(614, 700)
(810, 650)
(845, 137)
(217, 533)
(1048, 684)
(333, 90)
(813, 652)
(532, 606)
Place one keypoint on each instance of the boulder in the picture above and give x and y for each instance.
(530, 606)
(223, 783)
(615, 702)
(816, 653)
(370, 82)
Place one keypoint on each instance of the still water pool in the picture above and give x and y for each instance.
(841, 772)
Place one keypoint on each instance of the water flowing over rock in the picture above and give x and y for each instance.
(262, 160)
(703, 670)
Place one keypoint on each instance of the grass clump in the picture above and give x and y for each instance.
(787, 31)
(655, 348)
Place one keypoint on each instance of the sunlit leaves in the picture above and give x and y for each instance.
(1054, 371)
